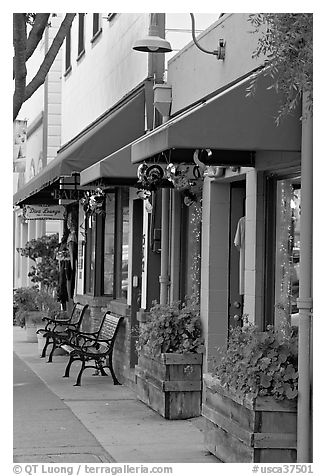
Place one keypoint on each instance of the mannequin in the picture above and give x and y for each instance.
(72, 248)
(67, 257)
(239, 242)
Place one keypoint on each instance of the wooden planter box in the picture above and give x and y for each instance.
(171, 384)
(250, 430)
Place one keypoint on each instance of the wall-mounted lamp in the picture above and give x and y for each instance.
(153, 43)
(219, 53)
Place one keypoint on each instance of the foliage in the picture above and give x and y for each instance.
(286, 41)
(260, 363)
(30, 299)
(170, 328)
(46, 270)
(42, 247)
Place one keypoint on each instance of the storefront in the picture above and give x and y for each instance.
(59, 183)
(240, 236)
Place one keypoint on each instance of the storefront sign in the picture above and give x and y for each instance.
(44, 212)
(68, 194)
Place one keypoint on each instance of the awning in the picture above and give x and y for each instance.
(119, 126)
(116, 169)
(231, 124)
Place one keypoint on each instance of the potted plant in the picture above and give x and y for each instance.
(30, 305)
(50, 307)
(42, 251)
(169, 370)
(250, 397)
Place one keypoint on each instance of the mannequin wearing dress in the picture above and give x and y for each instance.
(239, 242)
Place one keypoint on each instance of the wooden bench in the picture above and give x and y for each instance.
(95, 349)
(57, 331)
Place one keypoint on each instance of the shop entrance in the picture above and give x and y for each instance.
(236, 252)
(137, 236)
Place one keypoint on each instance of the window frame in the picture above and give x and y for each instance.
(68, 66)
(271, 180)
(97, 27)
(81, 35)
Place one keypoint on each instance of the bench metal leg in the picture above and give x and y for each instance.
(71, 360)
(54, 346)
(52, 350)
(115, 380)
(47, 343)
(78, 381)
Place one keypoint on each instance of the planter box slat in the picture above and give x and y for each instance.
(256, 440)
(268, 435)
(231, 409)
(157, 367)
(269, 403)
(143, 374)
(227, 424)
(274, 440)
(170, 387)
(179, 371)
(186, 359)
(224, 445)
(181, 386)
(276, 421)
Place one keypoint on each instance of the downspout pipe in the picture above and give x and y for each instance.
(162, 102)
(304, 302)
(164, 276)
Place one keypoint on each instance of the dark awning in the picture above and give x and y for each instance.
(119, 126)
(231, 124)
(116, 169)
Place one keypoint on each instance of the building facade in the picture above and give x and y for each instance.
(231, 232)
(40, 130)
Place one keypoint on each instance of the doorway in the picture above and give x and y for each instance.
(236, 252)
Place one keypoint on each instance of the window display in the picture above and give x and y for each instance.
(287, 251)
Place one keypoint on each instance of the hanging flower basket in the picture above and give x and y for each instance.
(93, 202)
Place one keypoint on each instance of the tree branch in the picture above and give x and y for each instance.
(19, 40)
(36, 33)
(49, 58)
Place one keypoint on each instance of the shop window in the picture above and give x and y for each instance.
(90, 254)
(116, 245)
(68, 52)
(81, 34)
(123, 252)
(107, 248)
(190, 250)
(109, 245)
(284, 253)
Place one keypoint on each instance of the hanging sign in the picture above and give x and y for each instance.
(43, 212)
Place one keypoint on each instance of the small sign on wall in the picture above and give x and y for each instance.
(43, 212)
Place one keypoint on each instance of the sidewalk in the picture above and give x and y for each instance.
(126, 428)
